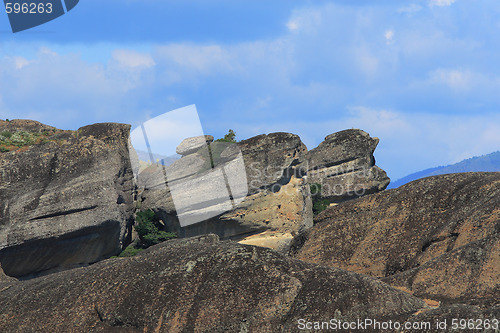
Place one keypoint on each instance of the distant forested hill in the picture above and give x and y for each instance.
(490, 162)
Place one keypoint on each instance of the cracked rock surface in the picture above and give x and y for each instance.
(197, 285)
(438, 237)
(64, 202)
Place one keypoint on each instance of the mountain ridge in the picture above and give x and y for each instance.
(483, 163)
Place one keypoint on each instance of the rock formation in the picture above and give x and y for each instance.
(192, 145)
(278, 202)
(428, 251)
(69, 199)
(65, 201)
(344, 166)
(276, 195)
(437, 237)
(198, 285)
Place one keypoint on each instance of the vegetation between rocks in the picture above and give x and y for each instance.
(10, 141)
(148, 228)
(216, 148)
(229, 137)
(319, 204)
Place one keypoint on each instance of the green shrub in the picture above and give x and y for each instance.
(319, 204)
(19, 138)
(229, 137)
(147, 227)
(130, 251)
(6, 134)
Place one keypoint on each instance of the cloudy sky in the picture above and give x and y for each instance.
(423, 76)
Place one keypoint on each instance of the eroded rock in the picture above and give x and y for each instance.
(66, 201)
(197, 285)
(192, 145)
(438, 237)
(276, 195)
(344, 166)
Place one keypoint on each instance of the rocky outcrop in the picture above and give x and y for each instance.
(198, 285)
(276, 198)
(192, 145)
(65, 201)
(276, 195)
(437, 237)
(271, 160)
(344, 166)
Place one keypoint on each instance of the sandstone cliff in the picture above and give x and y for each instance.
(65, 201)
(437, 237)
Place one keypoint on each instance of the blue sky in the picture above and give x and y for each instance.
(423, 76)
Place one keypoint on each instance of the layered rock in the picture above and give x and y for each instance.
(276, 196)
(437, 237)
(198, 285)
(65, 201)
(344, 166)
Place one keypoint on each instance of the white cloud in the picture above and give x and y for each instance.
(304, 19)
(202, 59)
(455, 79)
(389, 36)
(411, 9)
(47, 51)
(21, 62)
(441, 3)
(292, 25)
(133, 59)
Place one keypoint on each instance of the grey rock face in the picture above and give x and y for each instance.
(192, 145)
(345, 167)
(198, 285)
(65, 202)
(276, 195)
(278, 198)
(271, 160)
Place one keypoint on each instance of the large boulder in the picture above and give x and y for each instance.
(344, 166)
(276, 196)
(278, 202)
(193, 144)
(437, 237)
(198, 285)
(271, 160)
(66, 200)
